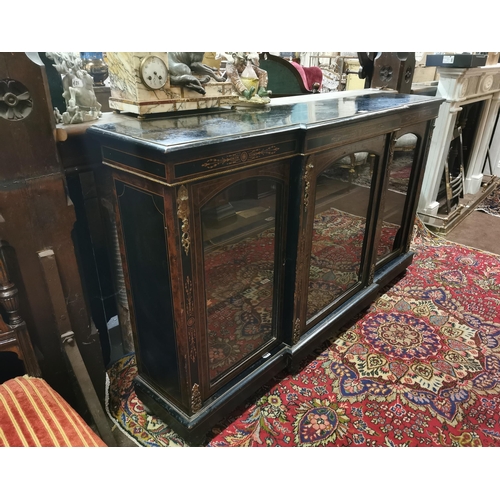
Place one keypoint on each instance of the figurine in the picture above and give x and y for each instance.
(182, 65)
(58, 116)
(78, 88)
(248, 79)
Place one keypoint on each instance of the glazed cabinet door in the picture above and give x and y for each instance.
(337, 222)
(401, 183)
(239, 227)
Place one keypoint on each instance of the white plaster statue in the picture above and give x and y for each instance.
(78, 88)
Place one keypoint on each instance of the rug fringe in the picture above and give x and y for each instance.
(486, 212)
(113, 419)
(449, 242)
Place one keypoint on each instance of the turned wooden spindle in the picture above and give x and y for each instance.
(14, 336)
(9, 298)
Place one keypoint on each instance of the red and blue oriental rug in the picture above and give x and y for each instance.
(491, 204)
(420, 368)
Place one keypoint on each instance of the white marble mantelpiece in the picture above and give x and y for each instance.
(460, 87)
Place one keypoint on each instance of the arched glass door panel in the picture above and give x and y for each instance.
(239, 226)
(396, 193)
(341, 207)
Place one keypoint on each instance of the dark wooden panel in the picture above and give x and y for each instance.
(136, 162)
(29, 157)
(142, 226)
(38, 215)
(235, 157)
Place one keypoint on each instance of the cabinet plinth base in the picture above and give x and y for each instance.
(194, 429)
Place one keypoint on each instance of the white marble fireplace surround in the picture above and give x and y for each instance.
(461, 86)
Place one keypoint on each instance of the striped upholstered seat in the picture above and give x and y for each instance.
(33, 414)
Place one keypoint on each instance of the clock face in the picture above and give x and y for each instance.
(153, 72)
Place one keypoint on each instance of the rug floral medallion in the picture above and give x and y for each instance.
(421, 367)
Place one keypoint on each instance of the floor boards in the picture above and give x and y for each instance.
(478, 230)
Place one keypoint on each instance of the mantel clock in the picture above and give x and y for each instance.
(140, 84)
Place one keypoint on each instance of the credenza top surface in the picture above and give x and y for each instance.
(200, 128)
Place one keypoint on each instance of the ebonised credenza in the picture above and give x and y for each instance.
(250, 236)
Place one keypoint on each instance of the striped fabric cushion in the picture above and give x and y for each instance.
(33, 414)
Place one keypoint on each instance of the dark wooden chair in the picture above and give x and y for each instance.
(17, 355)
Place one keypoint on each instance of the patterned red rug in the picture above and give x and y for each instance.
(420, 368)
(491, 204)
(239, 282)
(335, 267)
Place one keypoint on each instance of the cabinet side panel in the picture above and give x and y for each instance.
(143, 227)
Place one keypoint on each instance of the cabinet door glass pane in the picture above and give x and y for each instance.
(395, 196)
(239, 261)
(341, 207)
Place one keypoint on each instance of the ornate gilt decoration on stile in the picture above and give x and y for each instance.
(183, 214)
(307, 184)
(195, 398)
(296, 331)
(300, 254)
(190, 320)
(372, 274)
(241, 157)
(298, 287)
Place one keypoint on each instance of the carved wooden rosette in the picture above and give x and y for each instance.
(195, 399)
(183, 214)
(15, 100)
